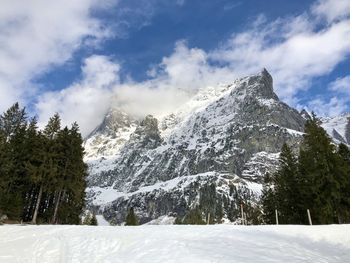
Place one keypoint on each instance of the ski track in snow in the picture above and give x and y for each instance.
(219, 243)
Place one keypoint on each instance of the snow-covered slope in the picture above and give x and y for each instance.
(105, 142)
(195, 244)
(338, 127)
(218, 145)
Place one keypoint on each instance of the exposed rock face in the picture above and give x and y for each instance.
(337, 136)
(218, 144)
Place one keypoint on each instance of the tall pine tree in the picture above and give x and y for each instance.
(131, 219)
(343, 209)
(281, 190)
(319, 181)
(13, 125)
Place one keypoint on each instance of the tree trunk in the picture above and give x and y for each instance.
(54, 218)
(37, 205)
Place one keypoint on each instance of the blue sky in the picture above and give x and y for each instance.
(204, 24)
(80, 58)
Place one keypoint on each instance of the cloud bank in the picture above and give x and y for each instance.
(40, 35)
(85, 101)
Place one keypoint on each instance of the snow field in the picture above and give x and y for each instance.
(218, 243)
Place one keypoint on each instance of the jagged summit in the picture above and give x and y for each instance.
(110, 136)
(114, 120)
(264, 72)
(260, 84)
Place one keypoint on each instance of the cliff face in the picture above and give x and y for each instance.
(216, 147)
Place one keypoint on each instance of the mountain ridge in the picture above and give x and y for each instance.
(220, 143)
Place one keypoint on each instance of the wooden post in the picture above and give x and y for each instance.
(242, 214)
(309, 217)
(276, 213)
(208, 222)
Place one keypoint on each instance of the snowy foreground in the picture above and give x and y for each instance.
(219, 243)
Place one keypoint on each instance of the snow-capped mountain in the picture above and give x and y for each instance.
(338, 128)
(219, 144)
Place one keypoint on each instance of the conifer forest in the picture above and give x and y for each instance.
(42, 173)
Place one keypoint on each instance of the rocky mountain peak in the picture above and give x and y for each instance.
(259, 85)
(110, 136)
(114, 120)
(148, 132)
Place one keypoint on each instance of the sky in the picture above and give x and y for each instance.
(79, 58)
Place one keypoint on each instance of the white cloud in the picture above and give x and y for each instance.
(341, 85)
(291, 49)
(190, 69)
(174, 81)
(180, 2)
(332, 10)
(231, 5)
(338, 103)
(322, 107)
(85, 101)
(37, 35)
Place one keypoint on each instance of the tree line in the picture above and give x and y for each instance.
(317, 178)
(42, 173)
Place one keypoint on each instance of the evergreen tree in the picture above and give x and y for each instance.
(131, 219)
(3, 170)
(87, 219)
(73, 172)
(343, 209)
(52, 168)
(13, 121)
(210, 204)
(35, 161)
(90, 219)
(53, 127)
(281, 191)
(93, 221)
(192, 217)
(287, 187)
(13, 124)
(268, 200)
(319, 182)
